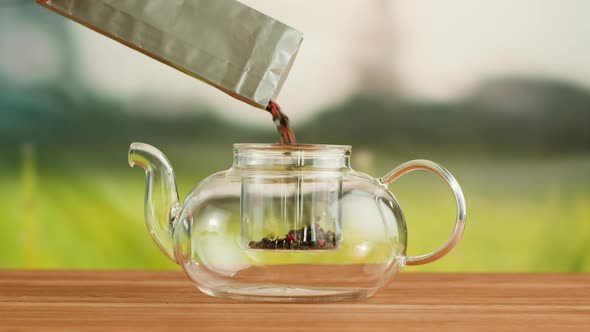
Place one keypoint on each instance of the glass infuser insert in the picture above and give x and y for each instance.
(291, 212)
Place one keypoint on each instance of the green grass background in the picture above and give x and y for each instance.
(76, 210)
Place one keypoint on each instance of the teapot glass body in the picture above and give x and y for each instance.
(285, 223)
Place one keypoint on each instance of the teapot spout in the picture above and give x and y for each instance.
(162, 205)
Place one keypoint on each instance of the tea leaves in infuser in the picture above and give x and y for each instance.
(301, 239)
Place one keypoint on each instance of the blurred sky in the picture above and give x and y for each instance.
(431, 49)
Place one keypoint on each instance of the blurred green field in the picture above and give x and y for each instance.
(71, 210)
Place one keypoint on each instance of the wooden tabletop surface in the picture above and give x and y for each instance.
(167, 301)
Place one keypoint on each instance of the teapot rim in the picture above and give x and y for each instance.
(291, 147)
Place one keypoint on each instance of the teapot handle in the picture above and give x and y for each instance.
(461, 209)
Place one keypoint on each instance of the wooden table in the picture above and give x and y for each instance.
(158, 301)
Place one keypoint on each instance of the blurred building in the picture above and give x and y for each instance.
(35, 48)
(38, 70)
(375, 54)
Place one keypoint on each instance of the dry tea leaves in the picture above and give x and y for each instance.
(301, 239)
(282, 122)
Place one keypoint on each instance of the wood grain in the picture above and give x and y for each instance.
(162, 301)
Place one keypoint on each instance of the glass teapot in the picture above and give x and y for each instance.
(286, 223)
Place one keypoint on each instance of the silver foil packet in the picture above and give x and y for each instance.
(224, 43)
